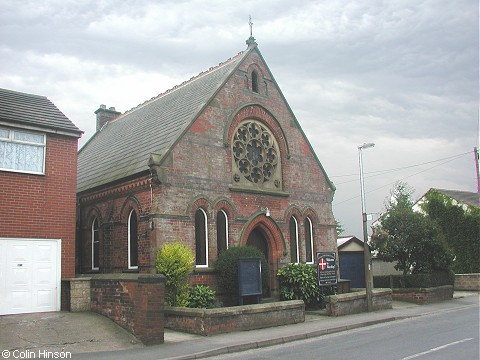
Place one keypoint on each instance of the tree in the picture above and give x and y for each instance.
(409, 238)
(339, 227)
(461, 227)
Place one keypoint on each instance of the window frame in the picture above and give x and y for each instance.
(11, 140)
(205, 224)
(254, 81)
(129, 230)
(223, 213)
(95, 231)
(309, 242)
(296, 239)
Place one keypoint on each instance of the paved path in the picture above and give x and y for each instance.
(83, 333)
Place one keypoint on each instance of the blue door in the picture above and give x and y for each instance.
(352, 268)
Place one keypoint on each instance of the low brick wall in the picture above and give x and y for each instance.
(423, 296)
(236, 318)
(467, 282)
(133, 301)
(356, 302)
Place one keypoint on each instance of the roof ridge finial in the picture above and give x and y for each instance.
(251, 39)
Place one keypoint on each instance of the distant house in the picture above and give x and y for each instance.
(218, 161)
(461, 198)
(38, 161)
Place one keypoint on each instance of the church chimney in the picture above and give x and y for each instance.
(105, 115)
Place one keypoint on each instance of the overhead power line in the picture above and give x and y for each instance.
(447, 160)
(386, 171)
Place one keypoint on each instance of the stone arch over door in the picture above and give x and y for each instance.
(263, 233)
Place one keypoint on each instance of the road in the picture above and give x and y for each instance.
(447, 335)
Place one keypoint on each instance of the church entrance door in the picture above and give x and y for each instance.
(257, 239)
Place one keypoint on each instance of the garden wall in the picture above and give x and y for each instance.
(467, 282)
(133, 301)
(237, 318)
(356, 302)
(423, 296)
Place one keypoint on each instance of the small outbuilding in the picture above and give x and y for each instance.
(351, 260)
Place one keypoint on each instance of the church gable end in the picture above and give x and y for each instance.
(230, 177)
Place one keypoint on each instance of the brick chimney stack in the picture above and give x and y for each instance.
(105, 115)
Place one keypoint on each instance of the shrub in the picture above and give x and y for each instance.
(175, 261)
(227, 271)
(201, 296)
(300, 282)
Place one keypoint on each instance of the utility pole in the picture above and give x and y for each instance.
(366, 249)
(477, 172)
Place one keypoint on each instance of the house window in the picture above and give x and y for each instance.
(22, 151)
(254, 81)
(201, 238)
(294, 240)
(132, 240)
(222, 231)
(95, 244)
(308, 241)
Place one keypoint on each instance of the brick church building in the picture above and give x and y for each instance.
(218, 161)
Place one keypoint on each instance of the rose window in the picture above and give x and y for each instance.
(255, 152)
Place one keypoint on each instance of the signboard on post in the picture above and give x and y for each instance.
(327, 268)
(249, 277)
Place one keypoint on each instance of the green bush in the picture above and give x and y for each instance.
(201, 296)
(300, 282)
(227, 271)
(175, 261)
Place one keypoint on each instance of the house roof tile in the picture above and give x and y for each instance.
(34, 112)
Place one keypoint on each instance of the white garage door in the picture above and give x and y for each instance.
(30, 275)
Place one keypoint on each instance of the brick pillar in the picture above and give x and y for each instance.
(149, 306)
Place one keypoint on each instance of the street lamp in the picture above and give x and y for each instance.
(366, 249)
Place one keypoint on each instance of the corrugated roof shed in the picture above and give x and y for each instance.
(34, 112)
(122, 148)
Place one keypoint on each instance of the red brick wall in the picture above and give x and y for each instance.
(423, 296)
(134, 302)
(44, 206)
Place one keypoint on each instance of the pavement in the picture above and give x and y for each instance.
(87, 335)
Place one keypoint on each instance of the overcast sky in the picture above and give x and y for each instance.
(400, 73)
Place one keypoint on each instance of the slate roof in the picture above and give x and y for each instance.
(34, 112)
(463, 197)
(122, 148)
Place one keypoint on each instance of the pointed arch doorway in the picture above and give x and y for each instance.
(257, 239)
(264, 234)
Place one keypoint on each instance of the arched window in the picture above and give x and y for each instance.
(222, 231)
(95, 244)
(201, 238)
(254, 81)
(308, 241)
(132, 240)
(294, 240)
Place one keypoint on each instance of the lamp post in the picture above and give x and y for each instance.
(366, 248)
